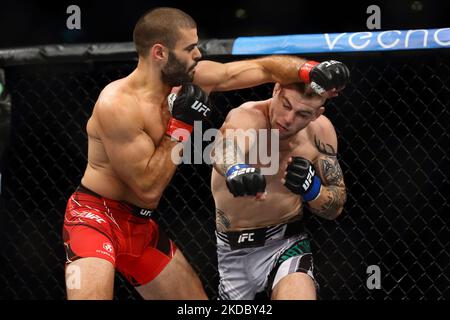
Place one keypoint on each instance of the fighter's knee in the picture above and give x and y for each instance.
(295, 286)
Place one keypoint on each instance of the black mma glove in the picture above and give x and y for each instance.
(244, 180)
(190, 104)
(301, 179)
(325, 76)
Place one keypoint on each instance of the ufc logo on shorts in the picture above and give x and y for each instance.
(246, 237)
(145, 213)
(308, 180)
(200, 107)
(88, 215)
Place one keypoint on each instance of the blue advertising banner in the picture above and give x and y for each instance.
(344, 42)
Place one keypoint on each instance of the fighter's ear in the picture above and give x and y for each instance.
(158, 52)
(319, 112)
(276, 89)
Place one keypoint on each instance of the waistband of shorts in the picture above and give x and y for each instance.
(121, 205)
(251, 238)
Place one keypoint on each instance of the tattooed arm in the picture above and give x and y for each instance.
(330, 202)
(235, 139)
(232, 153)
(226, 153)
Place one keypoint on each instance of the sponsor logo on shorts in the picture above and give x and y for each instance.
(108, 250)
(297, 249)
(105, 254)
(108, 247)
(246, 237)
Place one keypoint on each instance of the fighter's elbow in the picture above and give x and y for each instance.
(338, 211)
(335, 214)
(330, 213)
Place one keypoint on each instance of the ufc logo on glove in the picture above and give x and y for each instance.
(308, 180)
(329, 63)
(198, 106)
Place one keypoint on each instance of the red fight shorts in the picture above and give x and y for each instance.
(118, 232)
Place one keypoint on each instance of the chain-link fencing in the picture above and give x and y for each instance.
(392, 123)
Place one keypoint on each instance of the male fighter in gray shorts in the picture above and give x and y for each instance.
(260, 242)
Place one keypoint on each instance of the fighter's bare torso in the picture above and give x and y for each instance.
(149, 115)
(280, 205)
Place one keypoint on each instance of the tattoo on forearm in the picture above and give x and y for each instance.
(324, 147)
(335, 199)
(333, 194)
(222, 221)
(226, 153)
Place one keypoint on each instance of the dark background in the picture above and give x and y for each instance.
(392, 127)
(392, 124)
(24, 23)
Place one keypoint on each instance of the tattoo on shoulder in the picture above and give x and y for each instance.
(222, 221)
(324, 148)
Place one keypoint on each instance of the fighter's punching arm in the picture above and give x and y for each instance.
(321, 184)
(326, 76)
(238, 136)
(145, 167)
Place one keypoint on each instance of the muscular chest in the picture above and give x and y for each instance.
(303, 148)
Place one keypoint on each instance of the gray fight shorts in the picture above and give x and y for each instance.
(253, 261)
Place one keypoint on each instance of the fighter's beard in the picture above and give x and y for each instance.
(175, 73)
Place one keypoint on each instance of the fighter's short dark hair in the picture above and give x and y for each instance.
(160, 25)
